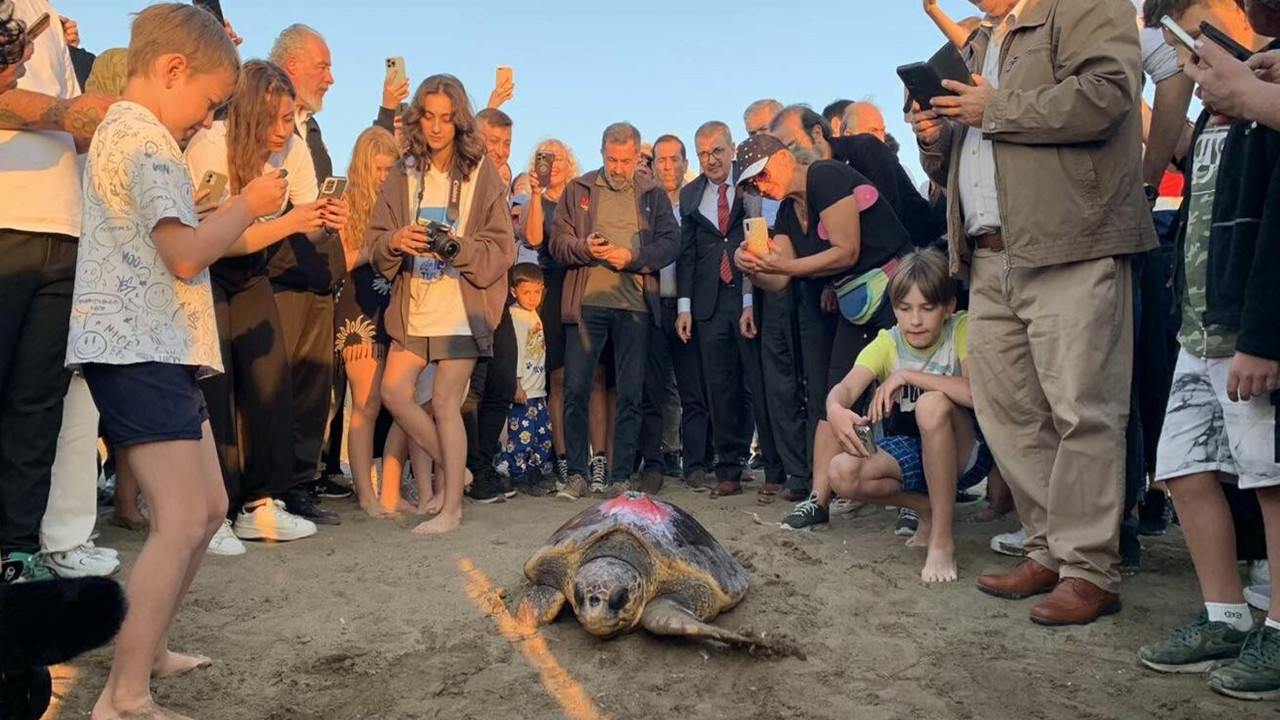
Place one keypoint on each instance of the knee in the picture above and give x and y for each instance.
(393, 399)
(216, 515)
(933, 411)
(843, 475)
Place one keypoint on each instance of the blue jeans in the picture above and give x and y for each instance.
(630, 334)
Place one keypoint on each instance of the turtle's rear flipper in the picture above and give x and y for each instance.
(664, 616)
(540, 605)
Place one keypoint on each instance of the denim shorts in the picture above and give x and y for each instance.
(146, 402)
(910, 456)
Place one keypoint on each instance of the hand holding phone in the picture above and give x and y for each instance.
(333, 188)
(542, 163)
(757, 231)
(212, 186)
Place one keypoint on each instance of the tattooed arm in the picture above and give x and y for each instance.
(80, 116)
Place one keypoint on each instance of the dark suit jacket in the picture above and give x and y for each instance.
(702, 245)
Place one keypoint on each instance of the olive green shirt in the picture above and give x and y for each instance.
(618, 220)
(1197, 338)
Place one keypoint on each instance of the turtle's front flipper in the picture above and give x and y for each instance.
(664, 616)
(540, 605)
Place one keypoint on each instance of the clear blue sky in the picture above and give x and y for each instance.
(664, 65)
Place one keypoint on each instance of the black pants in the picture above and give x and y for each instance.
(782, 383)
(251, 402)
(493, 388)
(735, 392)
(306, 319)
(583, 345)
(668, 354)
(37, 273)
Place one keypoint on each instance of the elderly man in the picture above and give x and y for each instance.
(759, 115)
(1041, 156)
(304, 275)
(862, 118)
(613, 231)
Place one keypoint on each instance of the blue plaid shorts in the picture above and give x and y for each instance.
(910, 456)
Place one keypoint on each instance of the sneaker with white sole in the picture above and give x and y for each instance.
(844, 506)
(1013, 543)
(1258, 596)
(807, 515)
(908, 523)
(225, 543)
(83, 561)
(268, 520)
(599, 469)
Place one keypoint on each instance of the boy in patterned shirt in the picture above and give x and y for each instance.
(142, 323)
(528, 444)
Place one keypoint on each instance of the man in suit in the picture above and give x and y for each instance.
(712, 297)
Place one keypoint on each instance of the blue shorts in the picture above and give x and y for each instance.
(146, 402)
(910, 456)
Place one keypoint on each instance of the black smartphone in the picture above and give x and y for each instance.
(1237, 50)
(39, 26)
(542, 167)
(922, 83)
(213, 6)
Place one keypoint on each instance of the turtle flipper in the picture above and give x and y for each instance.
(540, 605)
(664, 616)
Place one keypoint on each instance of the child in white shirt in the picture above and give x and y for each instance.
(528, 444)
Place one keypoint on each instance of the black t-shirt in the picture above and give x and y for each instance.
(874, 160)
(545, 261)
(829, 182)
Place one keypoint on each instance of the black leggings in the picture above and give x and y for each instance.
(493, 388)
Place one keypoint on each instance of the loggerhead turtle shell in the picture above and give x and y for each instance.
(685, 559)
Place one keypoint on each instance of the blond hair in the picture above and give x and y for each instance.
(925, 270)
(571, 160)
(362, 187)
(175, 28)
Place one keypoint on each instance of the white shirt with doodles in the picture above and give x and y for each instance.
(127, 307)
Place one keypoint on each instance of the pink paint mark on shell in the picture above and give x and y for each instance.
(643, 506)
(865, 196)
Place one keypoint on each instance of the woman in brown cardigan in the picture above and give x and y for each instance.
(443, 310)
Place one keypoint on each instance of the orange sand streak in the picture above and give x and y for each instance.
(523, 632)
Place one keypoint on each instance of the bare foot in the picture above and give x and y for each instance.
(173, 664)
(147, 711)
(439, 525)
(985, 515)
(133, 524)
(374, 510)
(432, 505)
(940, 565)
(407, 507)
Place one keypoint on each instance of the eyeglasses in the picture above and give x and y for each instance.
(719, 152)
(763, 175)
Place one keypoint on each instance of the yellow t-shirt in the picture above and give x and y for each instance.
(890, 351)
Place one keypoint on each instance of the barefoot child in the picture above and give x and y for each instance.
(931, 445)
(142, 322)
(528, 444)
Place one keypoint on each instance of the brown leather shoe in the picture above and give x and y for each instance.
(771, 488)
(794, 495)
(697, 481)
(1075, 602)
(727, 487)
(1027, 579)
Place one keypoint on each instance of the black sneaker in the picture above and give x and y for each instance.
(908, 523)
(1155, 513)
(486, 488)
(531, 484)
(599, 471)
(330, 489)
(966, 499)
(562, 473)
(808, 515)
(504, 482)
(300, 503)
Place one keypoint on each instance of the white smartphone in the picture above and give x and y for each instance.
(1182, 36)
(216, 184)
(395, 70)
(333, 187)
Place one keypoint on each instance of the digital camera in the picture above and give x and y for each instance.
(439, 241)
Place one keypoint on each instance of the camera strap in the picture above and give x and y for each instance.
(455, 197)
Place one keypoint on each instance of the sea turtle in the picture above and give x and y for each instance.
(634, 560)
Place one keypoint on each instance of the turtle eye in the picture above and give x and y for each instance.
(618, 599)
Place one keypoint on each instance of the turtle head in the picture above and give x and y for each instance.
(608, 596)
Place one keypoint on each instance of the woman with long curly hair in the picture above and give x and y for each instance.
(361, 335)
(445, 303)
(250, 405)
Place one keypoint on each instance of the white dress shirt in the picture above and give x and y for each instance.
(979, 195)
(667, 276)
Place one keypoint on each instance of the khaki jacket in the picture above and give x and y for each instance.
(487, 250)
(1067, 130)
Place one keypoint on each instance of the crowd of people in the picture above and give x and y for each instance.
(1077, 307)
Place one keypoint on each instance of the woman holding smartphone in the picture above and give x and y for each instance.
(444, 306)
(254, 394)
(361, 335)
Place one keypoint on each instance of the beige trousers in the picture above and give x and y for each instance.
(73, 490)
(1051, 359)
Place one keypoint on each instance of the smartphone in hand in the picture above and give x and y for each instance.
(216, 184)
(395, 70)
(504, 75)
(333, 188)
(542, 163)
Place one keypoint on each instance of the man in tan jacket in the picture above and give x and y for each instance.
(1041, 158)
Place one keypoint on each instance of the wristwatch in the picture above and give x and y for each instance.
(1152, 193)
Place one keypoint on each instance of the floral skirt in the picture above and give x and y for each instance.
(359, 328)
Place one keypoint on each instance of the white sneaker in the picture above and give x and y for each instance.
(270, 521)
(844, 506)
(1014, 543)
(1259, 572)
(1259, 596)
(82, 561)
(224, 542)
